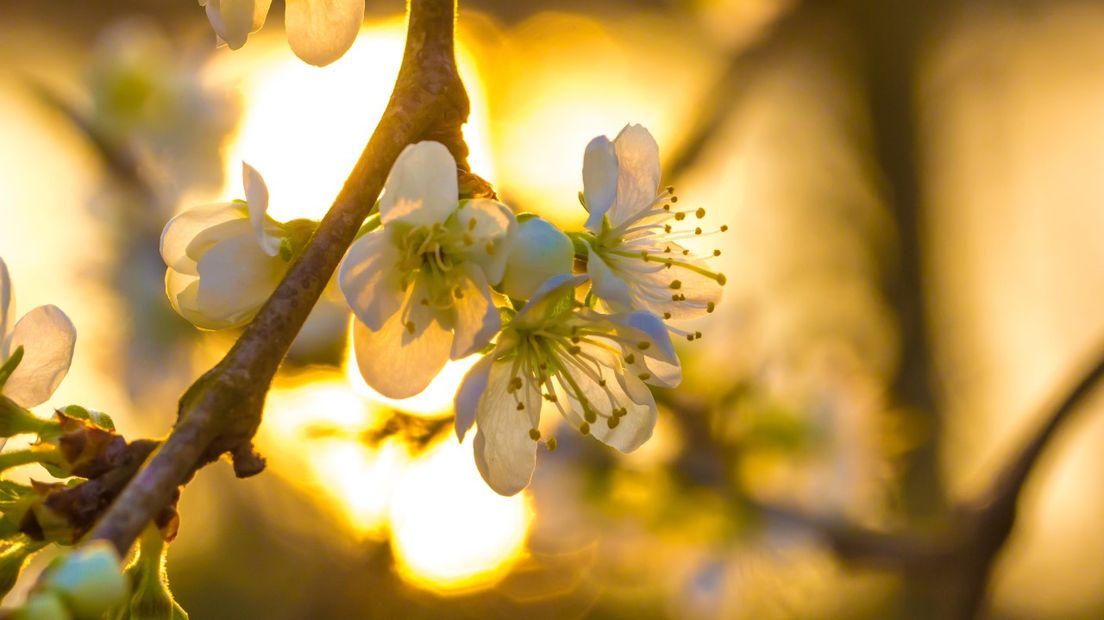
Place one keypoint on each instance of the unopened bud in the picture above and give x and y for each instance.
(89, 579)
(539, 251)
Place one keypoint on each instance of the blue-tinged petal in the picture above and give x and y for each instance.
(370, 280)
(256, 197)
(471, 390)
(477, 319)
(600, 174)
(608, 285)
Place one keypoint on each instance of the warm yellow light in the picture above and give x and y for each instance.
(304, 127)
(356, 479)
(450, 531)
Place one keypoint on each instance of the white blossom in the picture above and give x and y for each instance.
(420, 285)
(592, 367)
(635, 259)
(224, 260)
(47, 337)
(539, 251)
(319, 31)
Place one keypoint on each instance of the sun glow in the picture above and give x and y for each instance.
(304, 127)
(449, 532)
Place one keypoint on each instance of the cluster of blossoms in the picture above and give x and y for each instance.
(439, 277)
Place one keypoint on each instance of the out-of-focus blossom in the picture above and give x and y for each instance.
(420, 284)
(224, 260)
(153, 108)
(539, 251)
(593, 367)
(89, 580)
(319, 31)
(635, 258)
(45, 338)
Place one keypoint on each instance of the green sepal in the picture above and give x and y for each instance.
(10, 365)
(96, 418)
(297, 234)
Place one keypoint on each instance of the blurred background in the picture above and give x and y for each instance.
(914, 197)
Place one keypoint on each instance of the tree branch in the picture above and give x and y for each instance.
(222, 410)
(960, 555)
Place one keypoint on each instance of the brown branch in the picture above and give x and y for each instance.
(960, 555)
(222, 410)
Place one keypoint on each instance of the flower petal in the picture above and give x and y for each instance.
(422, 188)
(235, 278)
(320, 31)
(477, 319)
(638, 172)
(260, 13)
(232, 20)
(256, 197)
(607, 284)
(396, 362)
(491, 226)
(48, 338)
(370, 280)
(6, 306)
(504, 452)
(635, 427)
(471, 390)
(698, 293)
(632, 429)
(599, 180)
(659, 357)
(181, 231)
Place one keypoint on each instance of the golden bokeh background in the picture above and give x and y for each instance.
(370, 508)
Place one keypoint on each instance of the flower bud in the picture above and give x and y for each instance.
(43, 606)
(539, 251)
(89, 579)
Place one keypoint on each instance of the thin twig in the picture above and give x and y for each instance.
(222, 410)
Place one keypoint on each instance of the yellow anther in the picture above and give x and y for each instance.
(534, 434)
(700, 213)
(676, 284)
(643, 345)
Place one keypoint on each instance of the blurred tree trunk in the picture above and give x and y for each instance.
(889, 35)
